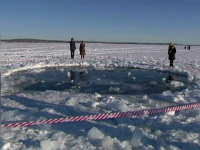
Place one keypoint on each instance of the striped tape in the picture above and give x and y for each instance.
(103, 116)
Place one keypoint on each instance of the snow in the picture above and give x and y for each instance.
(171, 130)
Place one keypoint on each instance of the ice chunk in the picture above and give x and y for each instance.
(49, 145)
(94, 105)
(96, 95)
(6, 146)
(136, 138)
(153, 82)
(122, 107)
(114, 89)
(171, 113)
(145, 97)
(95, 134)
(175, 84)
(119, 106)
(125, 145)
(69, 74)
(167, 93)
(133, 78)
(190, 77)
(107, 142)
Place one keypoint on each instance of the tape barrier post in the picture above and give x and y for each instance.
(103, 116)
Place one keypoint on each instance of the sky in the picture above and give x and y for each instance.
(155, 21)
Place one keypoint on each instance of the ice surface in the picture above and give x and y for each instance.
(136, 137)
(33, 110)
(107, 142)
(95, 134)
(2, 144)
(6, 115)
(133, 78)
(49, 145)
(153, 82)
(168, 126)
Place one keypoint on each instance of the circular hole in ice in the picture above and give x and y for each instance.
(124, 81)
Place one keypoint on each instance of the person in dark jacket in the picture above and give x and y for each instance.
(82, 49)
(72, 47)
(172, 54)
(170, 45)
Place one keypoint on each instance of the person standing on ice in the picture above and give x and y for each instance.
(72, 47)
(170, 45)
(172, 54)
(82, 49)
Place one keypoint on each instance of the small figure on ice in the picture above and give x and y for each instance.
(82, 49)
(172, 54)
(72, 47)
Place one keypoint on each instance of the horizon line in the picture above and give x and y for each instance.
(89, 41)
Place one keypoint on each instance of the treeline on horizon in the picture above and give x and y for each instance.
(61, 41)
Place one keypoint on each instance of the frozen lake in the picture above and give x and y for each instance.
(40, 81)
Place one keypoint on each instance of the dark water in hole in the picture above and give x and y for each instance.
(117, 81)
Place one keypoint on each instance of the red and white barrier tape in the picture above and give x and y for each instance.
(103, 116)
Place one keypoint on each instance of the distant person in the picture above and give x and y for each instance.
(72, 47)
(185, 47)
(82, 49)
(188, 47)
(172, 54)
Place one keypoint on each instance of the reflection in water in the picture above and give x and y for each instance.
(170, 78)
(76, 77)
(72, 76)
(82, 73)
(83, 76)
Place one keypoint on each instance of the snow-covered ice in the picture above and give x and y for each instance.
(172, 130)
